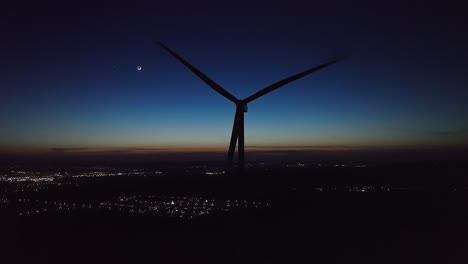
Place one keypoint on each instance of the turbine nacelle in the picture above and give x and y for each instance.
(242, 105)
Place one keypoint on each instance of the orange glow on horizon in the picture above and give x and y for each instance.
(194, 148)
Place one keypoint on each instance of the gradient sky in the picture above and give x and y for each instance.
(69, 79)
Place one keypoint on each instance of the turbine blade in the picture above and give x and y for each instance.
(285, 81)
(201, 75)
(234, 136)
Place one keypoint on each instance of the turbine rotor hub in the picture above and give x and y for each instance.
(241, 105)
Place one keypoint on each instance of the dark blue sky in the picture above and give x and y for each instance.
(69, 77)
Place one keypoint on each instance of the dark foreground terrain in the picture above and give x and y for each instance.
(305, 221)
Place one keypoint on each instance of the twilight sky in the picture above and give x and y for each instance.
(69, 78)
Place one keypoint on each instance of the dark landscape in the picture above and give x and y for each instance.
(326, 212)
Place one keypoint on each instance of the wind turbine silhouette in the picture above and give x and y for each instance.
(237, 135)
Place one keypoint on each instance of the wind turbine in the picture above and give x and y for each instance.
(237, 135)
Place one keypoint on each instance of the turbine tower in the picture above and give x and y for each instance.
(237, 135)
